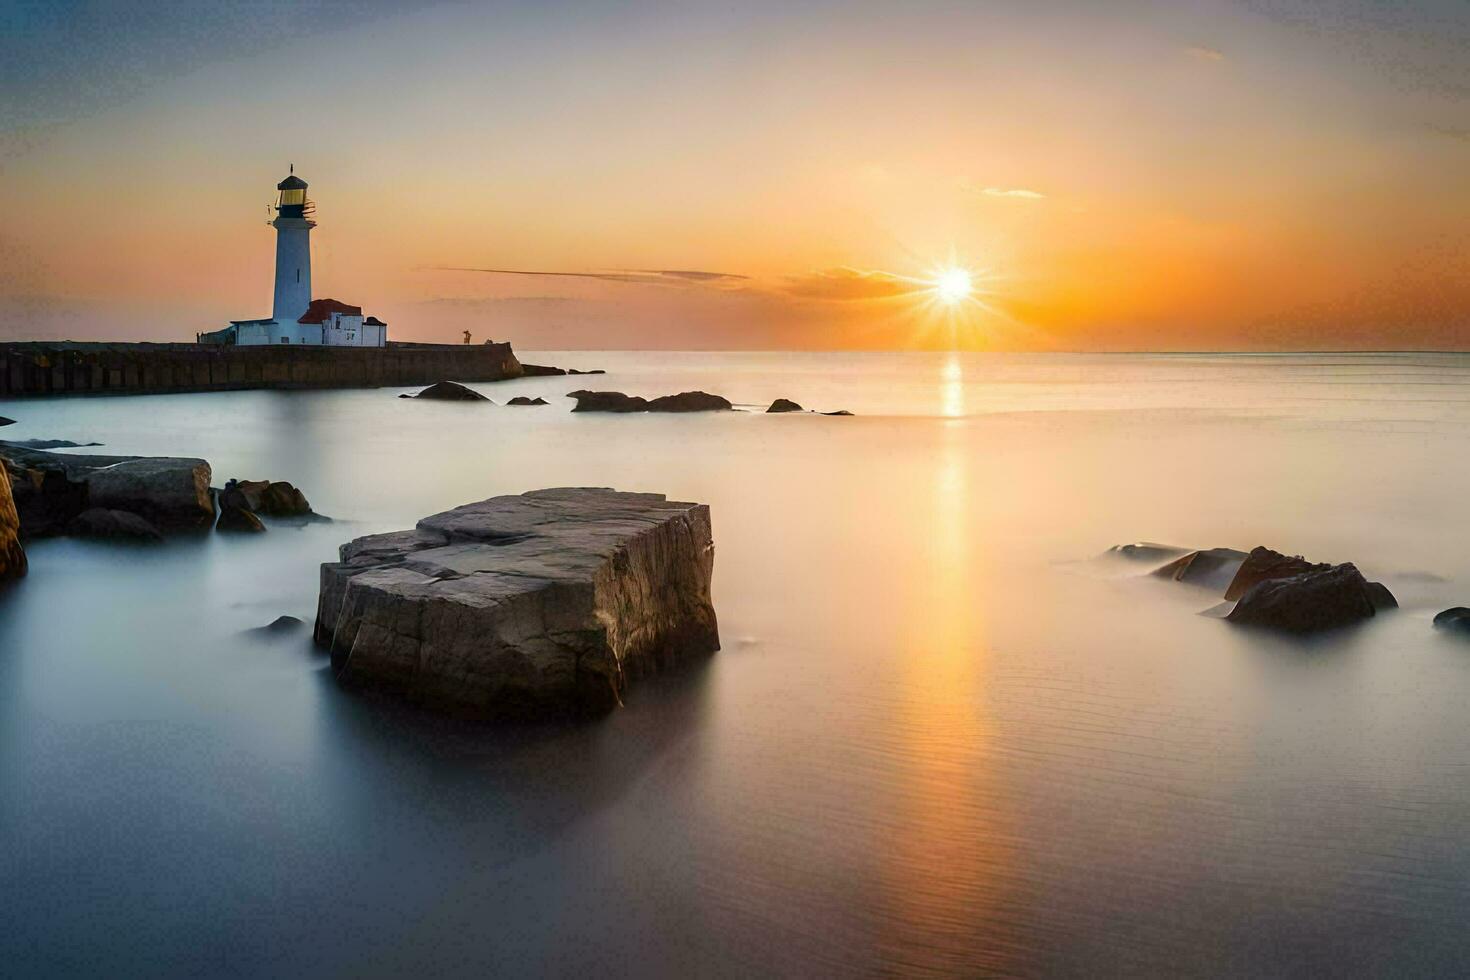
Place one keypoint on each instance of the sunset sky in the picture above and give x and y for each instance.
(1258, 174)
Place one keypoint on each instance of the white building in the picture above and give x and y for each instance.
(295, 317)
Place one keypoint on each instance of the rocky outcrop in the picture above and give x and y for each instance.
(523, 400)
(1324, 597)
(593, 371)
(535, 605)
(784, 405)
(5, 421)
(238, 520)
(451, 391)
(841, 411)
(99, 522)
(607, 401)
(278, 628)
(51, 489)
(1146, 551)
(541, 371)
(12, 555)
(616, 401)
(1262, 564)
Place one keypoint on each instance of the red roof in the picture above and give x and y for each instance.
(320, 309)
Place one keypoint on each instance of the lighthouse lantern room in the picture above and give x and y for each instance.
(295, 317)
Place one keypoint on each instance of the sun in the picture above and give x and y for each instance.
(953, 285)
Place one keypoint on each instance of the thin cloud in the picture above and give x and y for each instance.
(1020, 193)
(1201, 53)
(656, 277)
(845, 284)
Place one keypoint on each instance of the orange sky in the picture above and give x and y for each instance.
(1215, 175)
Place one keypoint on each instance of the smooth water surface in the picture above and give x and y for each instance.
(942, 737)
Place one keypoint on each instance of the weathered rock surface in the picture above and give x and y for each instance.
(1212, 569)
(607, 401)
(541, 604)
(784, 405)
(1456, 619)
(12, 555)
(1319, 599)
(523, 400)
(51, 489)
(99, 522)
(451, 391)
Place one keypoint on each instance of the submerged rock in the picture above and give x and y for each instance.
(1212, 569)
(12, 555)
(535, 605)
(450, 391)
(51, 489)
(784, 405)
(1456, 619)
(100, 522)
(838, 412)
(593, 371)
(1146, 551)
(279, 627)
(1318, 599)
(607, 401)
(523, 400)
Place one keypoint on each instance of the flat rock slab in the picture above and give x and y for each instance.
(50, 489)
(538, 605)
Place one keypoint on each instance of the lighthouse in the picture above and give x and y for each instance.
(293, 224)
(295, 317)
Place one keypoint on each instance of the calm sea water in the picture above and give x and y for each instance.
(941, 739)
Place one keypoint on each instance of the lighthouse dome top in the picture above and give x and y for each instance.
(292, 183)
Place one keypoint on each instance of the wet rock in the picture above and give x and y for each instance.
(1318, 599)
(607, 401)
(450, 391)
(100, 522)
(593, 371)
(784, 405)
(12, 555)
(1456, 619)
(690, 401)
(5, 421)
(50, 489)
(535, 605)
(523, 400)
(839, 412)
(1211, 569)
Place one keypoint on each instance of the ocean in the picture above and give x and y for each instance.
(943, 736)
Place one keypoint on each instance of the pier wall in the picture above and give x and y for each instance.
(65, 368)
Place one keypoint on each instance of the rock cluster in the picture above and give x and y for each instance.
(616, 401)
(52, 490)
(1267, 588)
(242, 502)
(523, 400)
(534, 605)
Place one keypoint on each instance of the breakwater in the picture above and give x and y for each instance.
(66, 368)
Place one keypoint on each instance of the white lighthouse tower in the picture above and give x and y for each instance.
(295, 317)
(293, 226)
